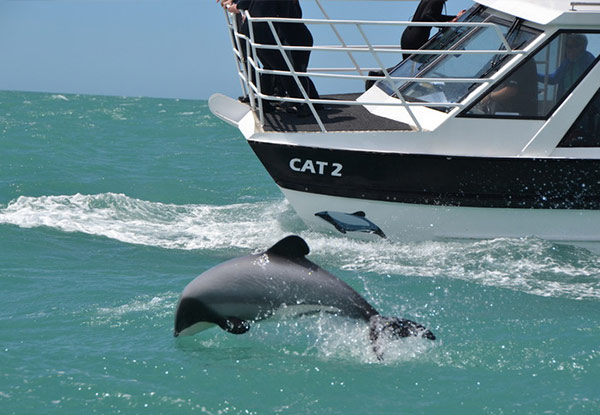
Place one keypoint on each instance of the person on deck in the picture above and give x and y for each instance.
(414, 37)
(297, 34)
(271, 59)
(293, 34)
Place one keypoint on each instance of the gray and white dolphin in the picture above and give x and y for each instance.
(278, 281)
(351, 222)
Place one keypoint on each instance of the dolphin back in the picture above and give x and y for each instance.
(257, 286)
(290, 247)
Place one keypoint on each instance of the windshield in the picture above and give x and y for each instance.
(476, 65)
(444, 39)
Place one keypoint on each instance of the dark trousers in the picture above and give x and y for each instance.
(272, 59)
(297, 34)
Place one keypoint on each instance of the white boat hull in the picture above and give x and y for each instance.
(415, 222)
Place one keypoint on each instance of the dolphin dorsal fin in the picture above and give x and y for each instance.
(359, 213)
(291, 247)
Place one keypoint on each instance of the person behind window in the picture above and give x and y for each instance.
(414, 37)
(515, 96)
(576, 61)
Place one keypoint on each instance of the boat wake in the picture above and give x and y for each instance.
(135, 221)
(528, 265)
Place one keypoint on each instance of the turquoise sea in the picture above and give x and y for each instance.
(109, 206)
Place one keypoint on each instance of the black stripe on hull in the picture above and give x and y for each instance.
(541, 183)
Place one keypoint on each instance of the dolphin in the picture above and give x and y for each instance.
(279, 281)
(351, 222)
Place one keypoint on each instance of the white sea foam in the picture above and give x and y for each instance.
(136, 221)
(336, 338)
(528, 265)
(158, 306)
(60, 97)
(324, 336)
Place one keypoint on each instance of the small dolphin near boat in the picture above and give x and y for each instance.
(279, 281)
(351, 222)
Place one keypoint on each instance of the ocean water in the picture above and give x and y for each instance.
(109, 206)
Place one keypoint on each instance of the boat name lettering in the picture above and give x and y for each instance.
(316, 167)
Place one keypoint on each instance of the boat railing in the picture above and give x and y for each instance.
(584, 3)
(249, 69)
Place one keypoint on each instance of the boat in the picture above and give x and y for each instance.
(433, 149)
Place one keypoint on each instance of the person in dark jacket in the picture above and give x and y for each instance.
(293, 34)
(414, 37)
(427, 11)
(297, 34)
(271, 59)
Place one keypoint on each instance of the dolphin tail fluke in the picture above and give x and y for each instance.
(382, 329)
(234, 325)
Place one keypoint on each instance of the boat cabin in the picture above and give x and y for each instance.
(503, 60)
(492, 128)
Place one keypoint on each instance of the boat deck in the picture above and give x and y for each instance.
(334, 118)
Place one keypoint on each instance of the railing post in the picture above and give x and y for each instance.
(340, 38)
(261, 113)
(389, 78)
(582, 3)
(250, 70)
(232, 28)
(296, 78)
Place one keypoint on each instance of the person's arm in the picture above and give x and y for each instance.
(433, 13)
(243, 5)
(230, 5)
(504, 94)
(460, 13)
(554, 77)
(438, 18)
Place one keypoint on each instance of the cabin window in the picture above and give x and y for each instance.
(538, 86)
(459, 65)
(446, 38)
(585, 132)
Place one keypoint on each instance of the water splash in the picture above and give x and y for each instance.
(325, 337)
(528, 265)
(138, 311)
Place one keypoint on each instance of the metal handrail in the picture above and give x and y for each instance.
(583, 3)
(254, 90)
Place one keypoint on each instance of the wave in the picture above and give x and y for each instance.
(135, 221)
(528, 265)
(59, 97)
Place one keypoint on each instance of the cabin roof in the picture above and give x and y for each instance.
(549, 12)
